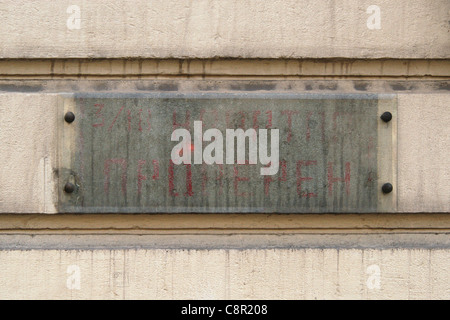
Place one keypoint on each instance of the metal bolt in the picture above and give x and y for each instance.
(69, 117)
(387, 188)
(386, 117)
(69, 187)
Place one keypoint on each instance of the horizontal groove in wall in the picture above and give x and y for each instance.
(225, 224)
(225, 68)
(398, 241)
(220, 231)
(224, 85)
(217, 77)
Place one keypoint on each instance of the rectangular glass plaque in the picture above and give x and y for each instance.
(226, 153)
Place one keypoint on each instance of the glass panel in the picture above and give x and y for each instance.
(119, 155)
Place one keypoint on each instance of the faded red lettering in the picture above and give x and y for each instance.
(185, 125)
(255, 119)
(171, 180)
(189, 192)
(269, 179)
(155, 170)
(289, 114)
(230, 125)
(129, 120)
(269, 119)
(140, 177)
(256, 114)
(115, 119)
(99, 114)
(332, 179)
(300, 178)
(238, 179)
(205, 179)
(148, 120)
(243, 116)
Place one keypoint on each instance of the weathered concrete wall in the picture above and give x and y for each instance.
(423, 153)
(28, 149)
(232, 28)
(226, 274)
(403, 255)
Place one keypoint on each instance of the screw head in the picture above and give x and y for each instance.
(69, 187)
(387, 188)
(386, 117)
(69, 117)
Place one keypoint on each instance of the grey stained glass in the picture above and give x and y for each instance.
(117, 153)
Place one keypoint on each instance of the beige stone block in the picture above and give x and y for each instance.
(423, 153)
(15, 67)
(224, 274)
(420, 265)
(27, 135)
(439, 68)
(234, 28)
(439, 272)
